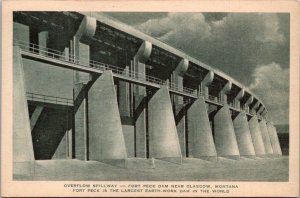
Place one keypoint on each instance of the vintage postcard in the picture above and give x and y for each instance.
(150, 98)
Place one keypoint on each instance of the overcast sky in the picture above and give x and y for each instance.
(253, 48)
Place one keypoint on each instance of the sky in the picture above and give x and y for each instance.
(253, 48)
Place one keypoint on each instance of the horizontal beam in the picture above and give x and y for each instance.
(88, 69)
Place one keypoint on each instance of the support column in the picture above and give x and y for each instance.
(274, 140)
(253, 110)
(124, 95)
(224, 91)
(43, 40)
(247, 103)
(139, 68)
(21, 34)
(237, 99)
(277, 140)
(266, 138)
(256, 136)
(243, 135)
(106, 140)
(80, 113)
(242, 131)
(81, 48)
(163, 138)
(23, 154)
(201, 142)
(177, 79)
(81, 54)
(260, 110)
(205, 83)
(225, 139)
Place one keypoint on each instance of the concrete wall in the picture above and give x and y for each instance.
(47, 79)
(49, 132)
(163, 138)
(21, 32)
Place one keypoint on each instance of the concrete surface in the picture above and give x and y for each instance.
(274, 140)
(106, 138)
(22, 161)
(278, 142)
(243, 135)
(180, 127)
(80, 124)
(163, 138)
(201, 143)
(257, 140)
(139, 67)
(46, 79)
(191, 170)
(266, 138)
(49, 133)
(225, 139)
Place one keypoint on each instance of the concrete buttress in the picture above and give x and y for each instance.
(243, 136)
(23, 162)
(106, 140)
(274, 140)
(266, 138)
(163, 138)
(256, 136)
(225, 139)
(201, 142)
(277, 141)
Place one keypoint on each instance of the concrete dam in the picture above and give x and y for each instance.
(90, 88)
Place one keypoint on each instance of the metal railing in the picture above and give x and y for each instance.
(55, 54)
(49, 99)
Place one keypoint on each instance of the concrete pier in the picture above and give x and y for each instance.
(23, 155)
(225, 139)
(266, 138)
(201, 142)
(256, 136)
(277, 141)
(274, 140)
(243, 136)
(163, 138)
(106, 141)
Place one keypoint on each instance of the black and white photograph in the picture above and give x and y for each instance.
(151, 96)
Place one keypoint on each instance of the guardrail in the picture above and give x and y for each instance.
(49, 99)
(51, 53)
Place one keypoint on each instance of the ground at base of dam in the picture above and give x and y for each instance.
(192, 169)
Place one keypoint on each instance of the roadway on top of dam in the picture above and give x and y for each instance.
(59, 59)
